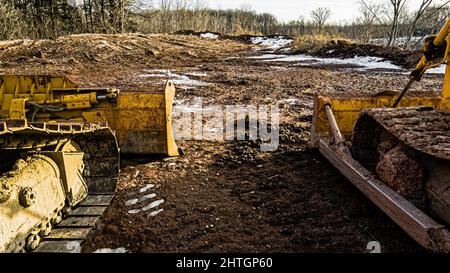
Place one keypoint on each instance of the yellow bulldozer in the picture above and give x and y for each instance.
(60, 147)
(396, 149)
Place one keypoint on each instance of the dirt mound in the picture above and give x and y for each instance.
(346, 49)
(112, 58)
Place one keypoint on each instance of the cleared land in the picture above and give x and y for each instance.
(226, 196)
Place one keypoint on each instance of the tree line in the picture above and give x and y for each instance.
(390, 20)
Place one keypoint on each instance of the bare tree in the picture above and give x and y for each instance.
(11, 23)
(425, 11)
(369, 19)
(413, 25)
(165, 6)
(397, 8)
(320, 17)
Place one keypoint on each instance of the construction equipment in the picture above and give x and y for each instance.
(397, 150)
(60, 148)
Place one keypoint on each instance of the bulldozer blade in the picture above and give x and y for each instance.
(143, 122)
(417, 224)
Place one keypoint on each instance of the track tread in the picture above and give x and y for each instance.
(86, 221)
(97, 200)
(68, 233)
(69, 246)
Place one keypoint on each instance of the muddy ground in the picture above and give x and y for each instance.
(230, 196)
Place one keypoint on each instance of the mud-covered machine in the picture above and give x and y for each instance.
(59, 148)
(396, 149)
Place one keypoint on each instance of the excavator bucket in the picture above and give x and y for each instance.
(141, 120)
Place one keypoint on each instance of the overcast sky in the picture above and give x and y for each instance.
(343, 10)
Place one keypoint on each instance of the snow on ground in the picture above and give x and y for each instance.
(156, 212)
(143, 201)
(272, 42)
(266, 57)
(146, 188)
(437, 70)
(180, 80)
(152, 205)
(209, 35)
(361, 63)
(109, 250)
(196, 74)
(134, 201)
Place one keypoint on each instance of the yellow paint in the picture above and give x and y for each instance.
(142, 121)
(347, 111)
(17, 109)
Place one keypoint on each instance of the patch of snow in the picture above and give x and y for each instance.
(109, 250)
(184, 80)
(272, 42)
(363, 62)
(289, 101)
(196, 74)
(209, 35)
(282, 68)
(437, 70)
(146, 188)
(157, 72)
(177, 79)
(266, 57)
(154, 213)
(153, 204)
(139, 200)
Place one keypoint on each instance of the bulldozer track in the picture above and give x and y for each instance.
(101, 173)
(68, 235)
